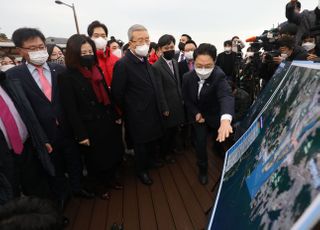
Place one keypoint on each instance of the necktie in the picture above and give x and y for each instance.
(171, 67)
(11, 127)
(190, 65)
(201, 83)
(181, 57)
(45, 85)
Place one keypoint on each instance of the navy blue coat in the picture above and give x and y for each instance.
(215, 99)
(14, 89)
(49, 114)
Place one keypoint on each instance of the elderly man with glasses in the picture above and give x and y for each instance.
(136, 91)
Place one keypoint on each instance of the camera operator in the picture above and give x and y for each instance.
(289, 51)
(309, 44)
(305, 20)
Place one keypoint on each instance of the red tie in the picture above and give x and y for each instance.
(45, 85)
(11, 127)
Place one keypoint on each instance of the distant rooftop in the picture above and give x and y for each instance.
(49, 40)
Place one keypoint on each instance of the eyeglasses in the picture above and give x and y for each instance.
(33, 48)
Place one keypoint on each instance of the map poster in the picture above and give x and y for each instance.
(271, 177)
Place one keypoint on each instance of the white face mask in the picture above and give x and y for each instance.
(38, 57)
(308, 46)
(227, 49)
(189, 55)
(250, 54)
(142, 51)
(284, 56)
(4, 68)
(117, 53)
(100, 42)
(204, 73)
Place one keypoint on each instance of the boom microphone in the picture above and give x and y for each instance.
(252, 39)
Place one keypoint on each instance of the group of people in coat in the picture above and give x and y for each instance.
(55, 114)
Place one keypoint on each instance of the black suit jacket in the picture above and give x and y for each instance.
(215, 98)
(14, 89)
(183, 68)
(136, 91)
(172, 90)
(49, 114)
(176, 56)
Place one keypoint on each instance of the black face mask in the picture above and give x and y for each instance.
(169, 55)
(181, 46)
(87, 61)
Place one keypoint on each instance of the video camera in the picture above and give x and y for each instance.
(267, 40)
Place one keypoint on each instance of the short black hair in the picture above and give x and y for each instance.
(50, 48)
(228, 42)
(113, 39)
(286, 41)
(73, 50)
(166, 40)
(307, 35)
(205, 49)
(30, 213)
(186, 35)
(24, 34)
(96, 24)
(234, 37)
(125, 47)
(289, 29)
(191, 42)
(154, 46)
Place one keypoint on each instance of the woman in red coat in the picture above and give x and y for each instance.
(99, 33)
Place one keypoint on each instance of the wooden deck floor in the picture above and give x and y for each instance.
(176, 200)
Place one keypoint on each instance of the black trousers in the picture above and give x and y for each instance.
(72, 163)
(25, 172)
(144, 154)
(66, 158)
(168, 141)
(201, 133)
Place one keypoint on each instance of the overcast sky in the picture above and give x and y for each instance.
(211, 21)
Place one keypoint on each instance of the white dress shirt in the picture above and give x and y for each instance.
(224, 116)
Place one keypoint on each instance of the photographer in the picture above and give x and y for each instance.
(289, 51)
(305, 20)
(237, 44)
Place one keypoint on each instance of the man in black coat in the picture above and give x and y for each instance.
(210, 103)
(227, 60)
(38, 80)
(167, 71)
(136, 91)
(187, 64)
(305, 20)
(23, 171)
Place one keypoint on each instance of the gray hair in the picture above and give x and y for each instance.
(134, 28)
